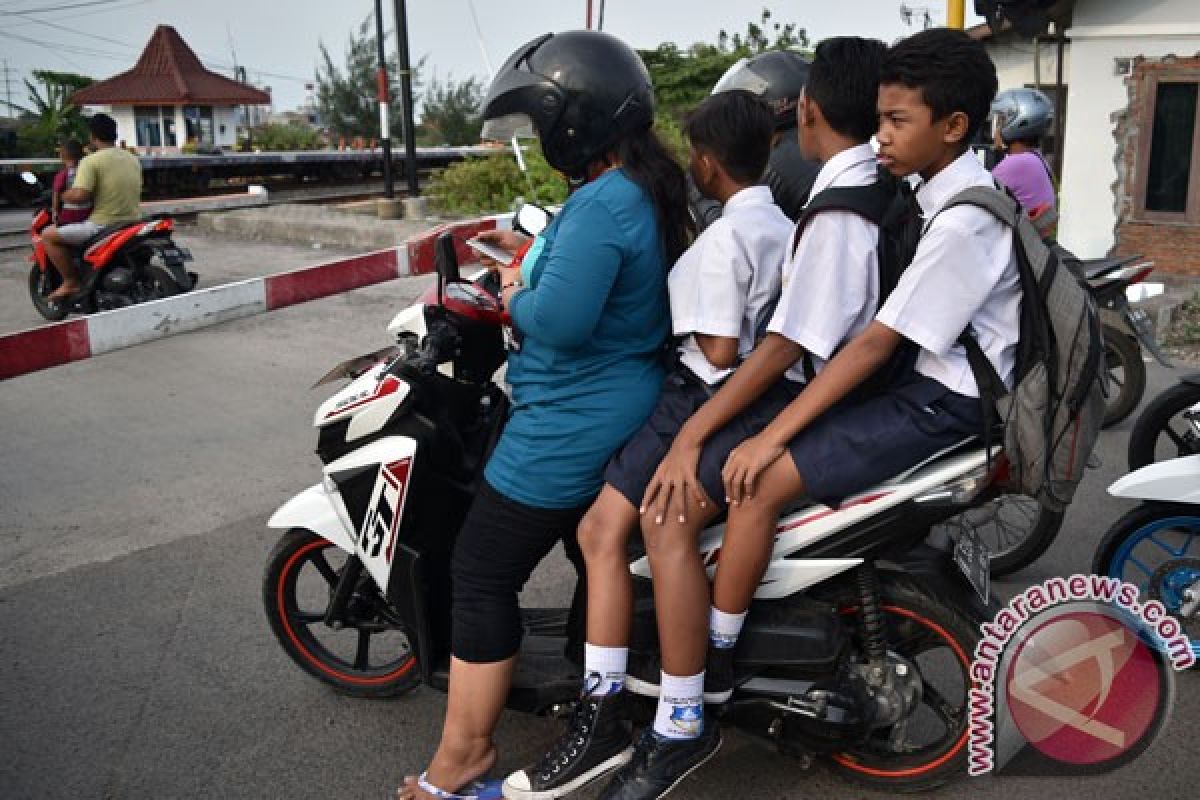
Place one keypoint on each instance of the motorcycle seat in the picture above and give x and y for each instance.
(636, 547)
(1095, 267)
(104, 233)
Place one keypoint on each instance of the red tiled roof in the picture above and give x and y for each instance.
(169, 72)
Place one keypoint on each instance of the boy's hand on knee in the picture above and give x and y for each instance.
(673, 482)
(745, 464)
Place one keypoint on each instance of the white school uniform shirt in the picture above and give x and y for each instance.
(728, 280)
(964, 273)
(831, 282)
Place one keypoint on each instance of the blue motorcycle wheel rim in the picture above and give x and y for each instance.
(1125, 559)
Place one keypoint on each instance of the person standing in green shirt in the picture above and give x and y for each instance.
(111, 180)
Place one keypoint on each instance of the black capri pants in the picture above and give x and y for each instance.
(500, 544)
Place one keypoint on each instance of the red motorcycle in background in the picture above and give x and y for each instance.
(123, 264)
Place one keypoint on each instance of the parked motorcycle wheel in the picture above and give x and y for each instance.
(1016, 529)
(161, 284)
(41, 284)
(1169, 427)
(1156, 547)
(370, 656)
(1126, 373)
(929, 747)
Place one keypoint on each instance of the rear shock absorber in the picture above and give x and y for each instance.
(871, 615)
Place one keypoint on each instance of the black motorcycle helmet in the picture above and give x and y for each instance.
(581, 91)
(778, 77)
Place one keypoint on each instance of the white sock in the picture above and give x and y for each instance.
(680, 707)
(723, 629)
(607, 662)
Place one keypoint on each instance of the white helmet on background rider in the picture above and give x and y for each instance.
(1021, 114)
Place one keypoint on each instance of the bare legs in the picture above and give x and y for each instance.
(62, 258)
(681, 593)
(750, 536)
(603, 534)
(476, 698)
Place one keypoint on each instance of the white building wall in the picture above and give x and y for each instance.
(1104, 31)
(225, 117)
(1015, 65)
(123, 115)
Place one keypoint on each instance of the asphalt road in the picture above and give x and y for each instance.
(135, 660)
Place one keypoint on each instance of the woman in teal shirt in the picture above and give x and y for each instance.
(590, 304)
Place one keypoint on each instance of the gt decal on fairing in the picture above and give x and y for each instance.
(377, 539)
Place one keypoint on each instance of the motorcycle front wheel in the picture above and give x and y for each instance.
(41, 284)
(369, 656)
(927, 748)
(1126, 375)
(1156, 547)
(1169, 427)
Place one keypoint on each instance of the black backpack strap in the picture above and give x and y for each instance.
(991, 388)
(871, 201)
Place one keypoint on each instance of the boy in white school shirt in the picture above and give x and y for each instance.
(830, 293)
(722, 291)
(935, 91)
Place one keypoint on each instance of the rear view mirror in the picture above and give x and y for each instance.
(445, 262)
(29, 178)
(531, 219)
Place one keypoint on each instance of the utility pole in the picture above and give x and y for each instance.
(956, 14)
(8, 87)
(381, 81)
(588, 23)
(406, 100)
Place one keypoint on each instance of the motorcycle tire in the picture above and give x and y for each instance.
(1157, 427)
(1016, 529)
(41, 284)
(1166, 539)
(162, 284)
(1122, 352)
(917, 622)
(301, 572)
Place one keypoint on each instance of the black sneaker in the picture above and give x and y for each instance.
(645, 672)
(597, 740)
(659, 764)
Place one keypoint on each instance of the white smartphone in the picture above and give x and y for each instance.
(494, 252)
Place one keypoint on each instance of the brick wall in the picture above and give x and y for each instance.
(1174, 246)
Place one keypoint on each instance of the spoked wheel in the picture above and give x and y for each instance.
(369, 656)
(41, 284)
(1169, 427)
(928, 747)
(1015, 528)
(1126, 375)
(1156, 547)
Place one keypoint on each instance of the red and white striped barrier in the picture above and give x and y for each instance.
(77, 339)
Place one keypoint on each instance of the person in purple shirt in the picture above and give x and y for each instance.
(1020, 118)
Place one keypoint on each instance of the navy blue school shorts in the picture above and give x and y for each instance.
(630, 470)
(853, 447)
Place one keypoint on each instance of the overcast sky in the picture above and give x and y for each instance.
(277, 39)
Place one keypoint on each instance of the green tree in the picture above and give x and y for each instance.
(684, 77)
(288, 136)
(492, 183)
(50, 117)
(451, 114)
(346, 96)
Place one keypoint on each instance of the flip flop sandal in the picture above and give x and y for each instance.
(475, 790)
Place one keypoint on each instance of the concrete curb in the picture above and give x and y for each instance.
(76, 339)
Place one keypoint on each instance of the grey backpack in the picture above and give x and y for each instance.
(1052, 415)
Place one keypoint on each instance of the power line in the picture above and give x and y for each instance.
(46, 9)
